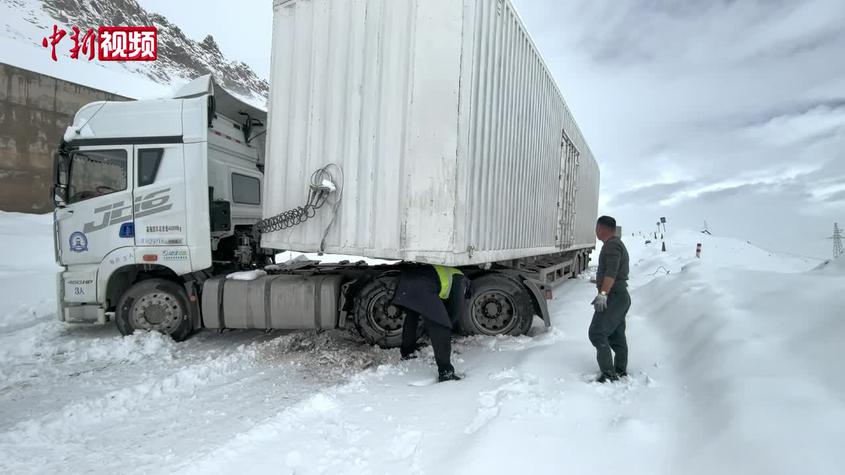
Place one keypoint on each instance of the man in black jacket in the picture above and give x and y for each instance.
(607, 330)
(438, 294)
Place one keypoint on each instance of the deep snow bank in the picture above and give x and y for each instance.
(27, 268)
(755, 339)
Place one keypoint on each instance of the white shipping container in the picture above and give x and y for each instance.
(455, 143)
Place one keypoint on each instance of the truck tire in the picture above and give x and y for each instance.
(155, 305)
(499, 306)
(378, 321)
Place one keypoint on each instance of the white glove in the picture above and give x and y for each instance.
(600, 302)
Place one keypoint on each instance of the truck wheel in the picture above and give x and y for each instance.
(499, 306)
(378, 320)
(154, 305)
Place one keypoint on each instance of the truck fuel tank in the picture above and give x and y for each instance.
(286, 302)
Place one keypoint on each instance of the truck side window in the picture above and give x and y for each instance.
(246, 190)
(96, 173)
(149, 160)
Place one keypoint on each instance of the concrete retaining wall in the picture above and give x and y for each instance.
(34, 111)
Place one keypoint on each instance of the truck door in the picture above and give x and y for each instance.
(99, 202)
(569, 163)
(160, 212)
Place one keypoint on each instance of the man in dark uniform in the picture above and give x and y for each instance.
(438, 294)
(607, 330)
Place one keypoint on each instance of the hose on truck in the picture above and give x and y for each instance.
(323, 185)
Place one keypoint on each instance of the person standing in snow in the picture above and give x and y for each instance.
(439, 295)
(607, 330)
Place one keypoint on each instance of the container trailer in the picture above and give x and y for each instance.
(415, 132)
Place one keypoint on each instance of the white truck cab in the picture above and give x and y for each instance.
(157, 189)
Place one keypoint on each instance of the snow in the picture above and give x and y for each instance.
(329, 185)
(91, 74)
(836, 266)
(290, 257)
(27, 270)
(247, 275)
(734, 362)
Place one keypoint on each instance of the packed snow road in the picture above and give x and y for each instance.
(734, 362)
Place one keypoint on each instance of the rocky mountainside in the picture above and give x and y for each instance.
(179, 58)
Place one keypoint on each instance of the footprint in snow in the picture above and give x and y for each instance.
(620, 390)
(491, 401)
(405, 445)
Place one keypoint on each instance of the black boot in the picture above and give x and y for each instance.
(444, 376)
(607, 378)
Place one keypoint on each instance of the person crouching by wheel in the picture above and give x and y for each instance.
(438, 294)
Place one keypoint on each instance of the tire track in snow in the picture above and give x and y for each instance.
(222, 391)
(67, 422)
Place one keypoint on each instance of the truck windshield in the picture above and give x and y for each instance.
(96, 173)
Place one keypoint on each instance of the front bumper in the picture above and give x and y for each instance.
(76, 297)
(83, 314)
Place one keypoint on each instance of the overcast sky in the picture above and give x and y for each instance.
(727, 111)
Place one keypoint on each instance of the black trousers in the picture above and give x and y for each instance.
(441, 340)
(607, 332)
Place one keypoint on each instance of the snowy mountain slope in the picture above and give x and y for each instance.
(735, 360)
(23, 24)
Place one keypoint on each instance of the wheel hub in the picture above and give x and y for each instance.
(156, 312)
(384, 316)
(493, 312)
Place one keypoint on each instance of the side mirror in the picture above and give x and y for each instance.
(60, 180)
(59, 196)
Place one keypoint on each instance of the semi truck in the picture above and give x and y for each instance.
(407, 133)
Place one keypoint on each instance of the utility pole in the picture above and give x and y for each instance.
(837, 241)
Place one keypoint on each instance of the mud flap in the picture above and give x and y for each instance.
(193, 304)
(536, 290)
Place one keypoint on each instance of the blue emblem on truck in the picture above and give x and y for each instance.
(78, 242)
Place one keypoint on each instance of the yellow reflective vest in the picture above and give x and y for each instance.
(445, 274)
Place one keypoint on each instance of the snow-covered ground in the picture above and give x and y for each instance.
(735, 360)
